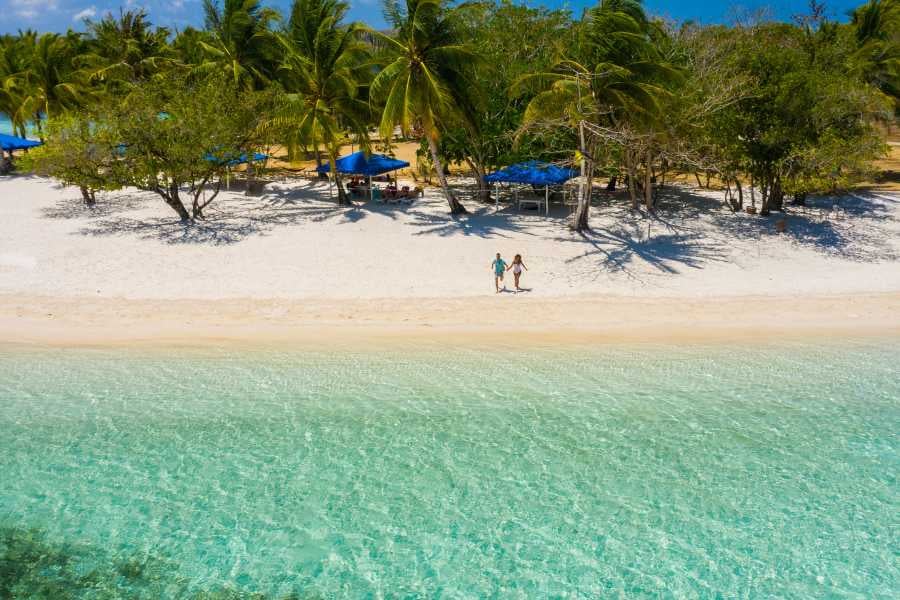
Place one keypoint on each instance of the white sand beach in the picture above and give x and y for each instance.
(292, 261)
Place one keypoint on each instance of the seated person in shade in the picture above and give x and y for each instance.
(390, 191)
(354, 186)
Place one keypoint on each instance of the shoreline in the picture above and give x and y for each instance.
(444, 322)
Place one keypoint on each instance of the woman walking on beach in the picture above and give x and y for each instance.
(499, 267)
(517, 266)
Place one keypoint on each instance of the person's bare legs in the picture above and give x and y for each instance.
(497, 283)
(516, 277)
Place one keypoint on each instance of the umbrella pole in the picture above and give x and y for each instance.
(547, 200)
(496, 197)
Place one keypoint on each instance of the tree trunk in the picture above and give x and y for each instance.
(776, 195)
(88, 196)
(484, 190)
(455, 207)
(197, 207)
(648, 182)
(697, 177)
(766, 188)
(343, 199)
(632, 180)
(581, 218)
(752, 192)
(172, 198)
(740, 190)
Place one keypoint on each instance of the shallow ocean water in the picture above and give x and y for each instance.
(720, 471)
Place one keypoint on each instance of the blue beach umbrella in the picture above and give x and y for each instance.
(358, 164)
(9, 143)
(369, 166)
(534, 173)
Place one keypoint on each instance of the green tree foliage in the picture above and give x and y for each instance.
(180, 138)
(126, 49)
(614, 79)
(427, 68)
(240, 42)
(877, 55)
(49, 84)
(322, 72)
(796, 108)
(513, 40)
(788, 130)
(82, 150)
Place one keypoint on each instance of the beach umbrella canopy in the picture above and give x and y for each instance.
(532, 172)
(358, 164)
(11, 142)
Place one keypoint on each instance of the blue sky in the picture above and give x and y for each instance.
(59, 15)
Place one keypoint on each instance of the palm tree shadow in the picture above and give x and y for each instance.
(483, 222)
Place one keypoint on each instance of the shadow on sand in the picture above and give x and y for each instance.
(687, 230)
(690, 229)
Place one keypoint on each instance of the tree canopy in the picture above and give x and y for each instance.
(792, 108)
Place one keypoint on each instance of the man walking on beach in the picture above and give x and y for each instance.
(499, 267)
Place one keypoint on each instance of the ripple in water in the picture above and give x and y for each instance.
(745, 472)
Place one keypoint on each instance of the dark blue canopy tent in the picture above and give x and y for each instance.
(10, 142)
(368, 166)
(359, 164)
(533, 173)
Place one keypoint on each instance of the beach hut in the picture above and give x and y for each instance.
(534, 173)
(367, 166)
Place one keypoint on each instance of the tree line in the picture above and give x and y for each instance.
(790, 108)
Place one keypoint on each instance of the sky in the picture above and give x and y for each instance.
(60, 15)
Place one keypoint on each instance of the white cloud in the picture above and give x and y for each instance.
(86, 13)
(29, 9)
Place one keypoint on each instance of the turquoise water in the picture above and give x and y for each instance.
(7, 128)
(5, 125)
(736, 472)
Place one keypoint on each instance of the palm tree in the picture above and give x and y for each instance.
(240, 41)
(616, 79)
(14, 60)
(50, 83)
(321, 74)
(877, 58)
(126, 49)
(423, 83)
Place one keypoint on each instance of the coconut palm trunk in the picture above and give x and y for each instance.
(581, 218)
(343, 199)
(456, 208)
(648, 182)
